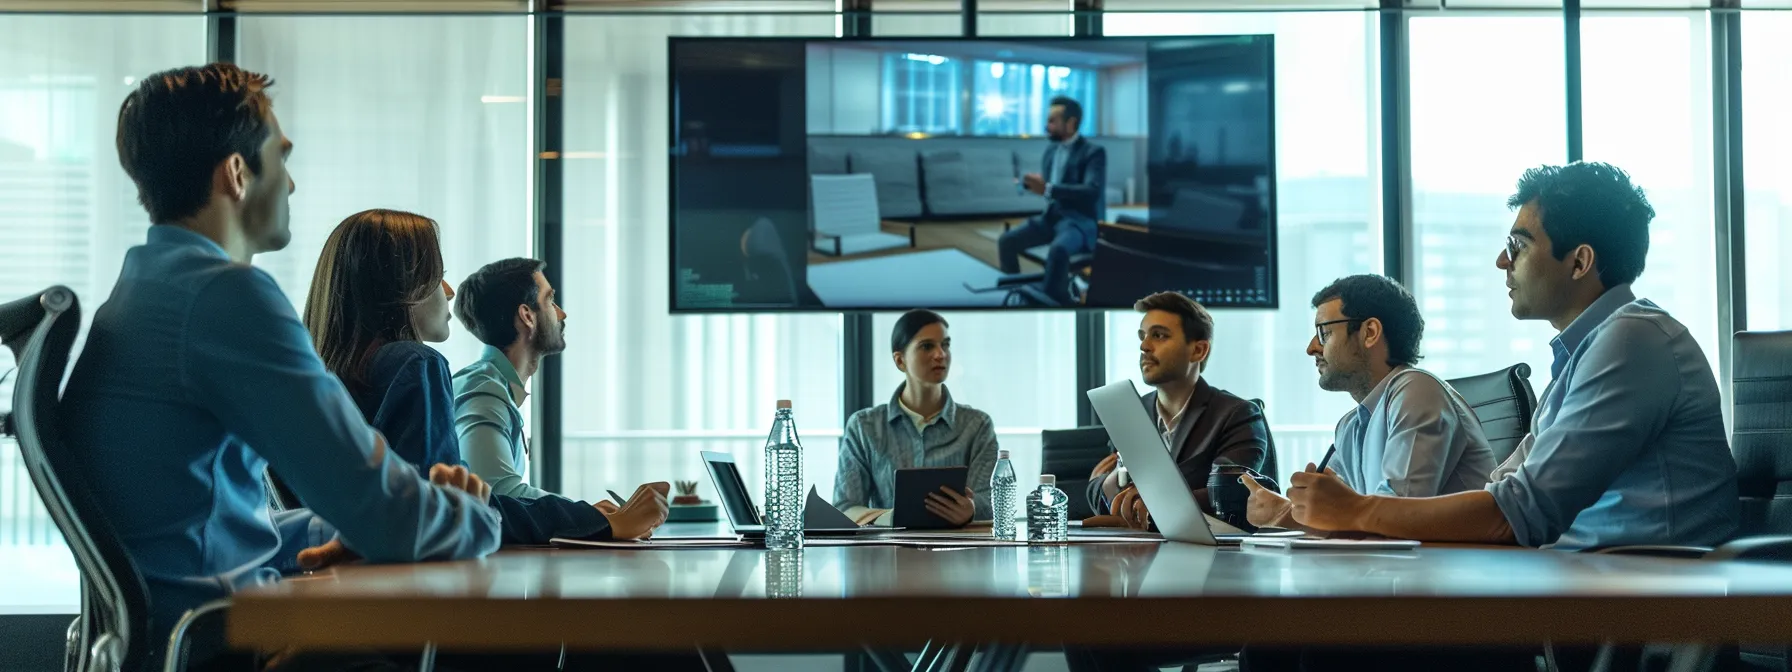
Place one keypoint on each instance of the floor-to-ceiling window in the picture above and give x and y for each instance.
(1328, 189)
(645, 391)
(1482, 113)
(1767, 166)
(435, 121)
(67, 215)
(1646, 82)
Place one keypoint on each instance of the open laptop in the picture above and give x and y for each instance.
(744, 516)
(1166, 494)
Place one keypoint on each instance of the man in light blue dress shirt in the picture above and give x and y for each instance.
(1410, 434)
(1628, 445)
(197, 375)
(510, 306)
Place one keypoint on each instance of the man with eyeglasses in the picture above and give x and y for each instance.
(1628, 445)
(1411, 434)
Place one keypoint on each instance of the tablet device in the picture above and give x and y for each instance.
(912, 487)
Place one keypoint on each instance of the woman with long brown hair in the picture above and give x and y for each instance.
(378, 296)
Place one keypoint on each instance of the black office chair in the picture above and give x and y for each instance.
(1028, 289)
(1761, 440)
(1504, 403)
(112, 631)
(1072, 454)
(1270, 466)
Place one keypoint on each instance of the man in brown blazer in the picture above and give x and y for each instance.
(1199, 422)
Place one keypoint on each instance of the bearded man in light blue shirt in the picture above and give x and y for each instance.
(1410, 434)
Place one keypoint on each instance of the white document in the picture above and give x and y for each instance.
(653, 544)
(1285, 543)
(910, 543)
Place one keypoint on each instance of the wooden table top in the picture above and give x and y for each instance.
(1095, 594)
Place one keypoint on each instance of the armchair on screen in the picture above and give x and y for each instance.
(846, 217)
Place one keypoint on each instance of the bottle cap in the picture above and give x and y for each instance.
(1002, 454)
(1048, 479)
(783, 404)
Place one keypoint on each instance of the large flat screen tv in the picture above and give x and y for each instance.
(886, 174)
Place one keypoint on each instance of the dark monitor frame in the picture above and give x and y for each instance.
(737, 502)
(673, 43)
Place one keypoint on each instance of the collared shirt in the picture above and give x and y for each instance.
(1412, 436)
(1166, 427)
(882, 439)
(196, 378)
(488, 415)
(1060, 158)
(921, 421)
(1628, 445)
(407, 396)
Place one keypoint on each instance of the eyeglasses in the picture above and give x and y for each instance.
(1514, 245)
(1319, 330)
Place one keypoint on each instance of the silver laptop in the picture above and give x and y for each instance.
(1166, 493)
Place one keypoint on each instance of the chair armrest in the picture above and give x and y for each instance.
(1658, 551)
(206, 618)
(1019, 279)
(816, 236)
(1764, 547)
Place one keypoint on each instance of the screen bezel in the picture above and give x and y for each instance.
(722, 468)
(672, 271)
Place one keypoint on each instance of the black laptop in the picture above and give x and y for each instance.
(744, 516)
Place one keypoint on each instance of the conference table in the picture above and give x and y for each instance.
(831, 598)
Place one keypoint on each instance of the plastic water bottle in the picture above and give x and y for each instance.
(1048, 512)
(783, 483)
(1004, 496)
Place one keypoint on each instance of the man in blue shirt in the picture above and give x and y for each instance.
(197, 375)
(1628, 445)
(1410, 434)
(509, 306)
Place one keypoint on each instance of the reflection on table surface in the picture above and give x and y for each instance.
(1144, 594)
(1167, 570)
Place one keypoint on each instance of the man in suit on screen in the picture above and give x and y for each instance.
(1074, 185)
